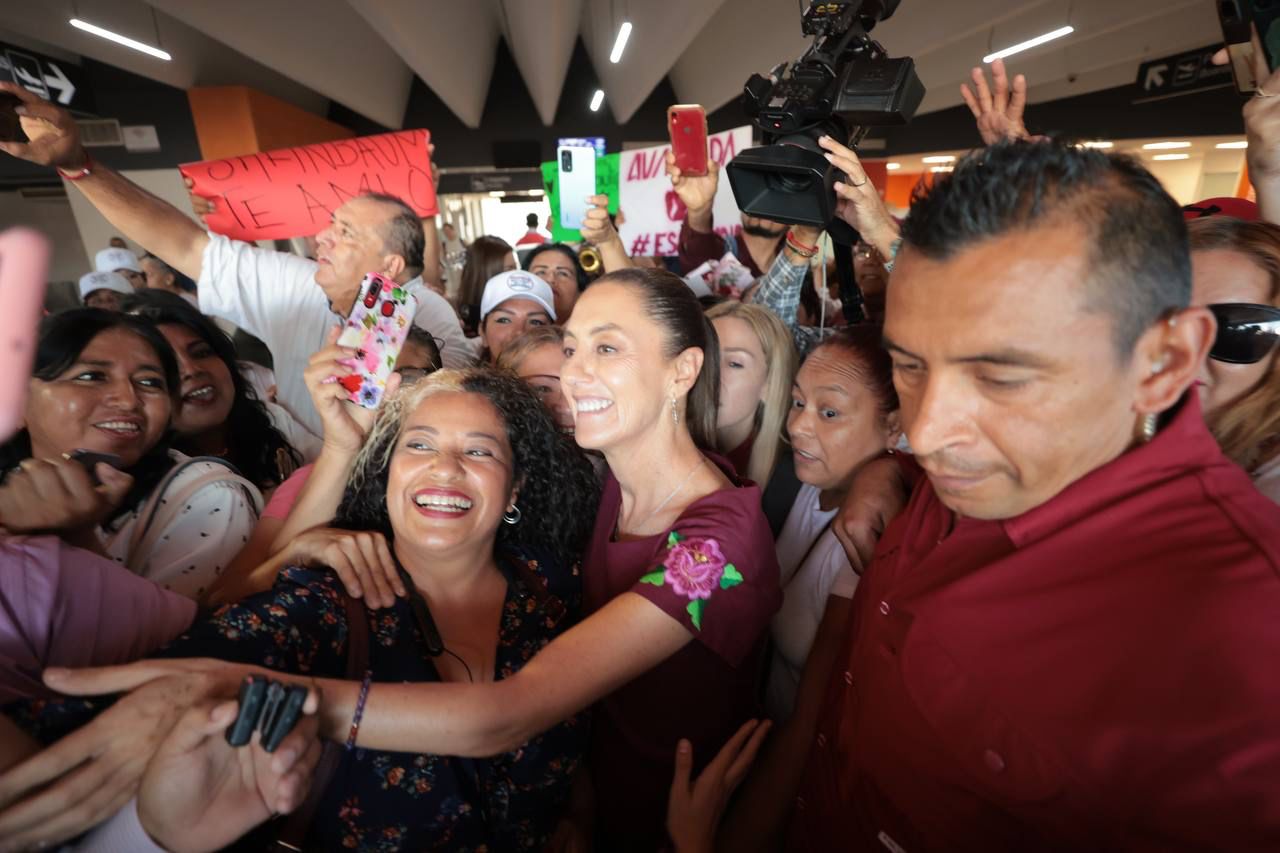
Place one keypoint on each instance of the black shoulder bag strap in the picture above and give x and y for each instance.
(293, 832)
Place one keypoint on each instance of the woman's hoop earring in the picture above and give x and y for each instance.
(513, 515)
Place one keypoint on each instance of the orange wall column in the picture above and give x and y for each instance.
(235, 120)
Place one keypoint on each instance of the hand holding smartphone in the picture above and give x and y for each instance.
(687, 124)
(377, 328)
(576, 168)
(24, 267)
(10, 124)
(1247, 25)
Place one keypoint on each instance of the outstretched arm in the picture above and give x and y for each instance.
(624, 639)
(153, 223)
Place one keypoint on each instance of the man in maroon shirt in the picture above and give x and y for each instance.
(756, 247)
(1069, 640)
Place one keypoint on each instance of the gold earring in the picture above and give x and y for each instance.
(675, 413)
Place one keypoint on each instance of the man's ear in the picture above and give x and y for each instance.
(393, 266)
(1169, 357)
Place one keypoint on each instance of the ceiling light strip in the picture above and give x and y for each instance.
(1030, 43)
(624, 33)
(119, 39)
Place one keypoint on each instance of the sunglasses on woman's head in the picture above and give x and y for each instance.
(1246, 333)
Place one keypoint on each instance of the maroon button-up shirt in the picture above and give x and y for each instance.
(1100, 673)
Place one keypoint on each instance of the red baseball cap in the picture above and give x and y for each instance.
(1237, 208)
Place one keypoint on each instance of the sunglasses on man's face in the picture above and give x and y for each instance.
(1246, 333)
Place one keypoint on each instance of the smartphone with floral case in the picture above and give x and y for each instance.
(376, 330)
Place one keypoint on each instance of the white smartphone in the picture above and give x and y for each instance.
(577, 170)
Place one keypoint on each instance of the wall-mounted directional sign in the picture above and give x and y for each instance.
(54, 79)
(1181, 74)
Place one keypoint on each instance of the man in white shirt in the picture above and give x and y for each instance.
(288, 301)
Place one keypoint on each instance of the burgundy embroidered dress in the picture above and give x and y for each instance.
(714, 572)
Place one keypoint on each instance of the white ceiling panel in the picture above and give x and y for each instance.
(323, 44)
(364, 53)
(661, 33)
(450, 45)
(541, 34)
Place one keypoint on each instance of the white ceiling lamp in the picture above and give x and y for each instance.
(620, 43)
(942, 169)
(1172, 157)
(1241, 144)
(940, 158)
(119, 39)
(1164, 146)
(893, 167)
(1028, 44)
(597, 99)
(1097, 144)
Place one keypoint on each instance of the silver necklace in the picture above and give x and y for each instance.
(668, 498)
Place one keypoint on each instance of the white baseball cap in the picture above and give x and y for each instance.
(516, 284)
(104, 281)
(110, 260)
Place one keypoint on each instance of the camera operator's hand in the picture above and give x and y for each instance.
(54, 137)
(859, 201)
(999, 115)
(698, 192)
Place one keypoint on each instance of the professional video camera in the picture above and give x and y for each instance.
(844, 83)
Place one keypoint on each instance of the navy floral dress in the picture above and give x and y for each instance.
(384, 802)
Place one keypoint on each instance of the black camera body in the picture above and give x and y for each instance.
(844, 84)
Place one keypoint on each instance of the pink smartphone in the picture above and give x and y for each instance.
(24, 267)
(376, 329)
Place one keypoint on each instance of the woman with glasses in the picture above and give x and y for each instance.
(1236, 273)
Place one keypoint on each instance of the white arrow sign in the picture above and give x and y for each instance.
(58, 82)
(1155, 77)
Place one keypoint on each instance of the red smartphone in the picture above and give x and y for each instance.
(688, 126)
(24, 267)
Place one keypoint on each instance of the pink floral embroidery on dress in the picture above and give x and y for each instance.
(694, 568)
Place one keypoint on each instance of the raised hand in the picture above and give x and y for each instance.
(999, 108)
(596, 228)
(54, 137)
(859, 201)
(697, 192)
(346, 425)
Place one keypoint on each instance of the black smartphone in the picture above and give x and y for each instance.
(1240, 19)
(90, 459)
(10, 125)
